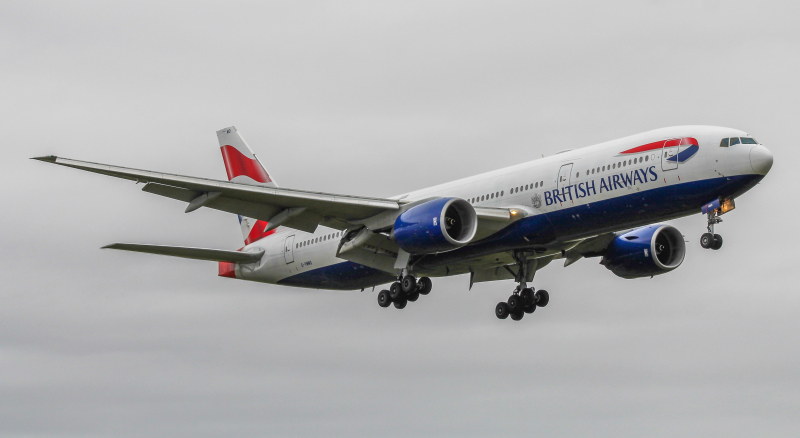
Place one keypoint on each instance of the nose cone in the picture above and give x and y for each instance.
(760, 159)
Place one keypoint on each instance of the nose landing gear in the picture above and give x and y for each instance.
(714, 210)
(710, 240)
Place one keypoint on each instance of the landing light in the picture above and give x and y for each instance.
(726, 206)
(513, 212)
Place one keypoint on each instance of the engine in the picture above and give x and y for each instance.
(645, 252)
(436, 226)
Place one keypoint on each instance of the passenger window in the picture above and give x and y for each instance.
(734, 141)
(746, 140)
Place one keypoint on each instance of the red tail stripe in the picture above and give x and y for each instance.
(227, 269)
(662, 143)
(257, 233)
(237, 164)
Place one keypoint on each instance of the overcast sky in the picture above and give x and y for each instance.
(379, 98)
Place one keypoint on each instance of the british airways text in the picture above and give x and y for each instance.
(607, 184)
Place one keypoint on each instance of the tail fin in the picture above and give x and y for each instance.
(241, 162)
(243, 167)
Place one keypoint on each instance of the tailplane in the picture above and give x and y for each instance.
(243, 167)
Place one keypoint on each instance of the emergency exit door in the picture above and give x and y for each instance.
(564, 176)
(288, 249)
(669, 155)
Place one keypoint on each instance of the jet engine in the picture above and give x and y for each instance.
(436, 226)
(645, 252)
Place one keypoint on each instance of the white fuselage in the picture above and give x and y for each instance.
(576, 190)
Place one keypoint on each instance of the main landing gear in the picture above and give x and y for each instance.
(524, 299)
(710, 240)
(521, 302)
(406, 289)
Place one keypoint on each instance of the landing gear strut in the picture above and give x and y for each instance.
(710, 240)
(524, 299)
(406, 289)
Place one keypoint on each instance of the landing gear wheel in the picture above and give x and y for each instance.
(517, 316)
(501, 310)
(515, 304)
(527, 296)
(395, 291)
(401, 303)
(707, 240)
(530, 308)
(409, 283)
(542, 298)
(717, 242)
(424, 285)
(384, 299)
(413, 296)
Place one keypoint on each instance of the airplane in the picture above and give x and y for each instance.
(606, 201)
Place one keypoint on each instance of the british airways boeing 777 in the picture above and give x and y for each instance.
(600, 201)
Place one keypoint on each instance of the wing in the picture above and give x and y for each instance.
(213, 255)
(299, 209)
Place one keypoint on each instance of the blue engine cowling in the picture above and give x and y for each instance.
(436, 226)
(645, 252)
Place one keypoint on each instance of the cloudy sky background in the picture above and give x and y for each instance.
(377, 99)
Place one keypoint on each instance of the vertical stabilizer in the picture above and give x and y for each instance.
(241, 162)
(243, 167)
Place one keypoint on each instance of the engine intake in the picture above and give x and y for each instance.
(436, 226)
(645, 252)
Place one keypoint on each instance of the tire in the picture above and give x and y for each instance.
(542, 298)
(409, 284)
(515, 304)
(395, 291)
(517, 316)
(401, 303)
(501, 311)
(384, 299)
(717, 242)
(413, 296)
(707, 240)
(424, 285)
(527, 296)
(530, 308)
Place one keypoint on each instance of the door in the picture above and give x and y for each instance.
(564, 176)
(669, 154)
(288, 249)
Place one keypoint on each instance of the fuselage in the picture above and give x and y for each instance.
(620, 184)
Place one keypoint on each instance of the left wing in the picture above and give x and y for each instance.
(299, 209)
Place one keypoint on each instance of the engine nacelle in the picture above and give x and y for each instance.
(436, 226)
(645, 252)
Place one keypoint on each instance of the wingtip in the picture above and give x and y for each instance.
(46, 158)
(110, 246)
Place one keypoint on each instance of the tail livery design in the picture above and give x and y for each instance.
(243, 167)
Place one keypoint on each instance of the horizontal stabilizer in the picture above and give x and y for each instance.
(212, 255)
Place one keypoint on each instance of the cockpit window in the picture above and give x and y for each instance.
(746, 140)
(723, 143)
(734, 141)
